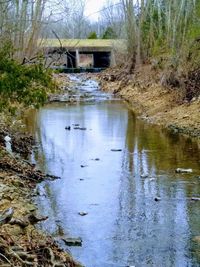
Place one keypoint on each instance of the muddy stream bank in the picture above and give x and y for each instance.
(118, 191)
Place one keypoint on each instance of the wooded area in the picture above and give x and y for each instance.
(165, 30)
(158, 73)
(151, 27)
(164, 34)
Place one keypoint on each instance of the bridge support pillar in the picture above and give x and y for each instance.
(112, 59)
(77, 58)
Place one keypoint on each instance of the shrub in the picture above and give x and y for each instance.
(92, 35)
(27, 84)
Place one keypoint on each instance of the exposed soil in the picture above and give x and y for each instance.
(156, 103)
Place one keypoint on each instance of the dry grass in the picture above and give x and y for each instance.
(71, 43)
(156, 103)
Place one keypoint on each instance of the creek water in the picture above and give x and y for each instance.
(124, 225)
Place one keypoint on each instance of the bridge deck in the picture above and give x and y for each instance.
(81, 44)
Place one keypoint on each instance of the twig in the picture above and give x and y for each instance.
(3, 256)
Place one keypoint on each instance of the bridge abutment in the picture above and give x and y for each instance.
(79, 56)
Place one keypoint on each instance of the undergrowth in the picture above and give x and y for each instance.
(22, 84)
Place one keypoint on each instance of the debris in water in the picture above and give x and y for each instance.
(180, 170)
(157, 199)
(84, 166)
(7, 138)
(69, 241)
(96, 159)
(68, 128)
(195, 198)
(116, 150)
(144, 175)
(82, 213)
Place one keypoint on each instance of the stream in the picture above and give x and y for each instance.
(113, 167)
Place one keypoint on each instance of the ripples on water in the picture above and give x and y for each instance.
(125, 225)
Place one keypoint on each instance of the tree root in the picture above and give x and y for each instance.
(39, 255)
(23, 258)
(12, 253)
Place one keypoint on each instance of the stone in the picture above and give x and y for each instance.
(6, 216)
(82, 213)
(69, 241)
(84, 166)
(180, 170)
(144, 175)
(96, 159)
(195, 198)
(68, 128)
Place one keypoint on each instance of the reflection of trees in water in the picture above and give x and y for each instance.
(160, 150)
(47, 157)
(148, 232)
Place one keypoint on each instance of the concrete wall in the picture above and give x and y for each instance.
(102, 58)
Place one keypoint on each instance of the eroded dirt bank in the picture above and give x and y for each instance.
(21, 243)
(153, 101)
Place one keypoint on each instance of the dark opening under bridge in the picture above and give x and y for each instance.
(74, 55)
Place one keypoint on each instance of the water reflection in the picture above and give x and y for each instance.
(124, 225)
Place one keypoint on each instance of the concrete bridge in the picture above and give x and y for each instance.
(83, 53)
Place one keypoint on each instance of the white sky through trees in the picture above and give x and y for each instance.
(93, 7)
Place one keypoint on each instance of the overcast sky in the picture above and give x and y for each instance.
(93, 6)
